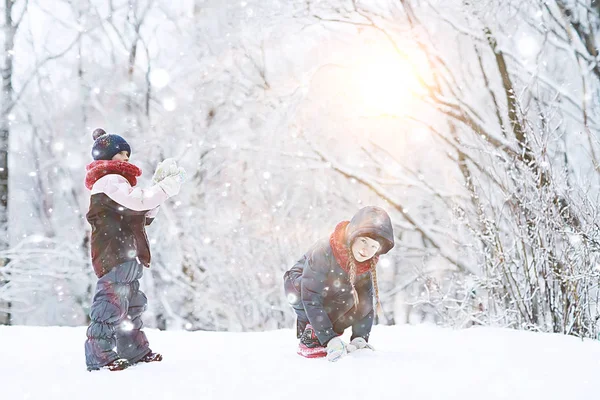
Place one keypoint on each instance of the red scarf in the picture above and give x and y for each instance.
(337, 240)
(98, 169)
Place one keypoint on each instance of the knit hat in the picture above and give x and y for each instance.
(107, 145)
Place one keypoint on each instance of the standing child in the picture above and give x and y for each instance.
(118, 215)
(332, 287)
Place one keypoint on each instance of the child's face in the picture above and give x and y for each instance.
(364, 248)
(122, 156)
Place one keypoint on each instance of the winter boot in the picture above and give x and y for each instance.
(116, 365)
(309, 346)
(151, 357)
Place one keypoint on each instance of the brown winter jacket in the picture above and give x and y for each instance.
(118, 214)
(118, 234)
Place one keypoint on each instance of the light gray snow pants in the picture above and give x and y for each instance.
(116, 318)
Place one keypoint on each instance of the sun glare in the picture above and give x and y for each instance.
(388, 84)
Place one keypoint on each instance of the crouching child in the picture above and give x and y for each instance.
(334, 285)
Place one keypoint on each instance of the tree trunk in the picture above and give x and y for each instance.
(7, 100)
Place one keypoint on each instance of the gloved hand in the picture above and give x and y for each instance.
(181, 174)
(171, 185)
(359, 343)
(336, 349)
(165, 168)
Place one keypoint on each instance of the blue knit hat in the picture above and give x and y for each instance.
(107, 145)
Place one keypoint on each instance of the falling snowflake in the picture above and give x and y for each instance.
(159, 78)
(169, 104)
(292, 298)
(527, 46)
(126, 326)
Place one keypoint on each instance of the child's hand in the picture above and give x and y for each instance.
(170, 185)
(165, 168)
(336, 349)
(359, 343)
(181, 174)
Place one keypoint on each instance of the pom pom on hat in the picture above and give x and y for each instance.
(98, 132)
(107, 145)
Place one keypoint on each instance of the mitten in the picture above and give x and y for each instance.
(336, 349)
(165, 168)
(171, 185)
(359, 343)
(181, 174)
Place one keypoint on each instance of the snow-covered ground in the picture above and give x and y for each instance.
(411, 363)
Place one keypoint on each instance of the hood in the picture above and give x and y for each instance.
(372, 222)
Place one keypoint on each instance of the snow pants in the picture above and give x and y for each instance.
(115, 330)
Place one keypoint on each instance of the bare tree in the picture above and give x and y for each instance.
(10, 27)
(517, 234)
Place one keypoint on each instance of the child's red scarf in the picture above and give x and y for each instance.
(337, 240)
(98, 169)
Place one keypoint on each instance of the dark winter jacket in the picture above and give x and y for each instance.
(118, 214)
(118, 234)
(322, 287)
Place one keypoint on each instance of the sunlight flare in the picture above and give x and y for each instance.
(387, 83)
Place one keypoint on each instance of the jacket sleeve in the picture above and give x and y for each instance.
(362, 327)
(313, 293)
(292, 283)
(119, 190)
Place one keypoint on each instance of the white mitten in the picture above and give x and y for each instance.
(359, 343)
(165, 168)
(336, 349)
(181, 174)
(171, 185)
